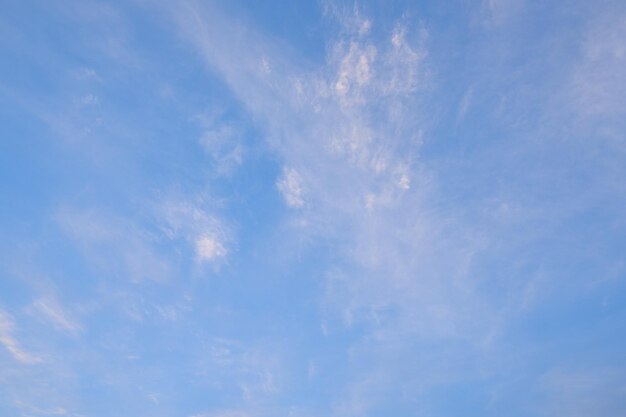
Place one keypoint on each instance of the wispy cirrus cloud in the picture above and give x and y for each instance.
(50, 310)
(598, 82)
(188, 221)
(290, 186)
(351, 146)
(11, 344)
(409, 266)
(222, 141)
(422, 219)
(100, 237)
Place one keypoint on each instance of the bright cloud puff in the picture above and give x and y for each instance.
(326, 208)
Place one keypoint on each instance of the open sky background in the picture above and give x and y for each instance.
(255, 208)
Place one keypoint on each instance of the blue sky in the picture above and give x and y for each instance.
(312, 208)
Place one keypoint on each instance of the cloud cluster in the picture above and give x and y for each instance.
(436, 250)
(349, 134)
(289, 185)
(189, 222)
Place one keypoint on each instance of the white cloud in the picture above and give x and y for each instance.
(208, 248)
(222, 141)
(7, 339)
(266, 67)
(598, 84)
(86, 74)
(90, 100)
(349, 133)
(404, 182)
(465, 103)
(54, 411)
(346, 129)
(187, 220)
(499, 12)
(50, 310)
(355, 68)
(290, 186)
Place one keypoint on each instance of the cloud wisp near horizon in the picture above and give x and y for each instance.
(242, 209)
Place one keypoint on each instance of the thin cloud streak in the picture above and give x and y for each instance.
(51, 311)
(10, 343)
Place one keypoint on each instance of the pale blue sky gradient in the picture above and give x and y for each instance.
(317, 208)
